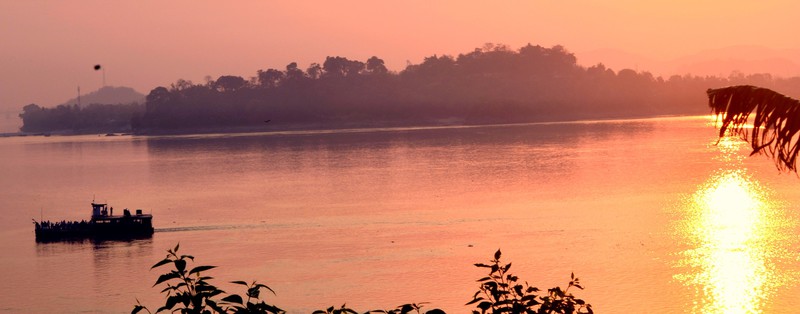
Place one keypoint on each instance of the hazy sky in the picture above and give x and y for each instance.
(48, 48)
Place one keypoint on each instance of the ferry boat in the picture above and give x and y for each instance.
(102, 225)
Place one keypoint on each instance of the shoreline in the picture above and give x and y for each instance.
(323, 127)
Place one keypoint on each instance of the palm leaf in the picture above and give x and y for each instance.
(776, 124)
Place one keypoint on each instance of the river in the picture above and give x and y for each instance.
(652, 214)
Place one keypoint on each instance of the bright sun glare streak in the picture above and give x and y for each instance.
(735, 238)
(733, 270)
(716, 122)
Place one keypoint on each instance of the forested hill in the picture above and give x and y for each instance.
(493, 84)
(110, 95)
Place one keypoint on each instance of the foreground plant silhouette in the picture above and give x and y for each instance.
(775, 121)
(190, 292)
(500, 292)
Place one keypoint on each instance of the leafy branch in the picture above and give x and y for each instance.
(189, 292)
(775, 128)
(501, 292)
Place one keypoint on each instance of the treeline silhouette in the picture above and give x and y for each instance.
(110, 110)
(94, 118)
(492, 84)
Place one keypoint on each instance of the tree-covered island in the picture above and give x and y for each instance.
(493, 84)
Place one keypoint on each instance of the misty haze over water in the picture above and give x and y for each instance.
(9, 122)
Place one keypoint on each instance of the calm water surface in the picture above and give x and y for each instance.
(650, 214)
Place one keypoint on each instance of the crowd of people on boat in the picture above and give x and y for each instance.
(61, 225)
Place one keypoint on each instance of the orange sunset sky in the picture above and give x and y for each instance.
(49, 47)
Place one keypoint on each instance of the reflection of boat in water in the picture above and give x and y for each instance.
(102, 225)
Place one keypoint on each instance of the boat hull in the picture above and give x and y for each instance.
(100, 228)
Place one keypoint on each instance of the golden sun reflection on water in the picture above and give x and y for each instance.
(736, 235)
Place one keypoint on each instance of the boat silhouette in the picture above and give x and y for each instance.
(103, 224)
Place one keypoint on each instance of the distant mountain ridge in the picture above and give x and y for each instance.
(721, 62)
(111, 95)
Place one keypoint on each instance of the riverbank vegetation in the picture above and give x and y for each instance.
(189, 290)
(492, 84)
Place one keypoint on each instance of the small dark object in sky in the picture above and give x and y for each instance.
(96, 67)
(267, 121)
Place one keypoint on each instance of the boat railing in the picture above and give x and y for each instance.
(60, 225)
